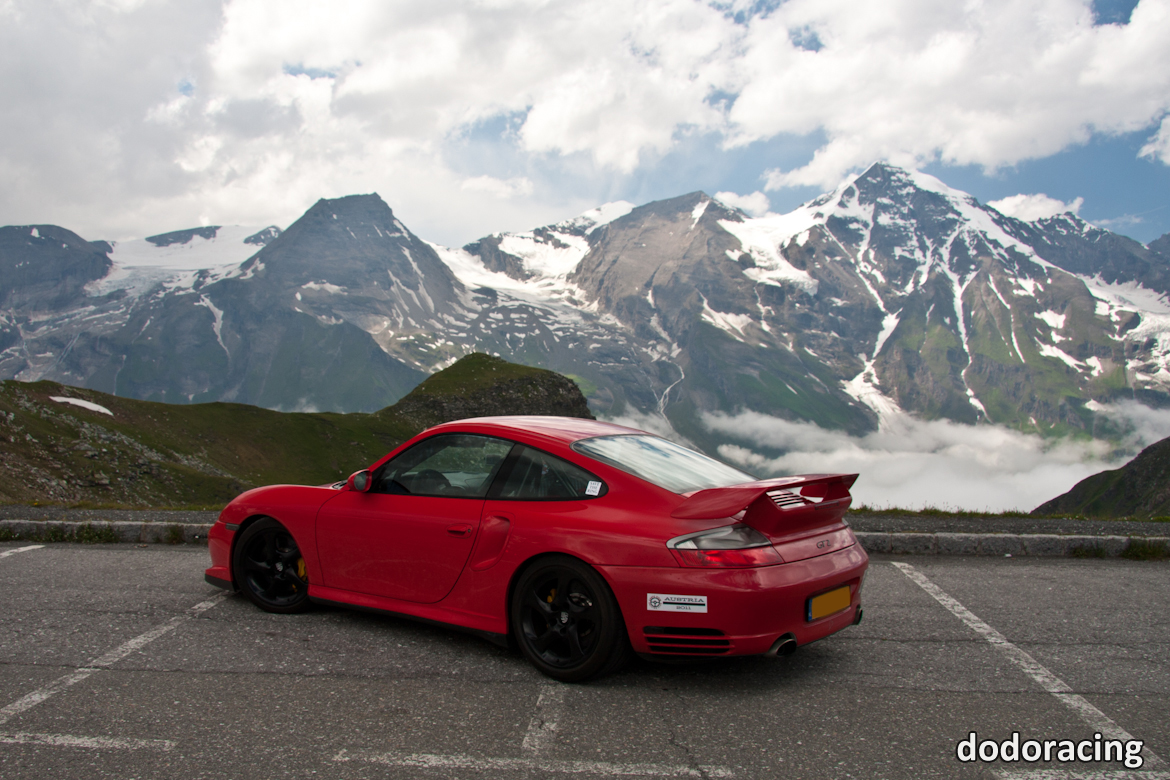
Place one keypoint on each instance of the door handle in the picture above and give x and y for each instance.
(459, 529)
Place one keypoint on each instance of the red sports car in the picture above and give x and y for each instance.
(579, 540)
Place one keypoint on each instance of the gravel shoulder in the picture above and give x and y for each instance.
(1004, 525)
(56, 513)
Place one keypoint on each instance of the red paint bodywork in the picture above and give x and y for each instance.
(396, 553)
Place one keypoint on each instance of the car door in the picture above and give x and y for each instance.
(536, 490)
(409, 536)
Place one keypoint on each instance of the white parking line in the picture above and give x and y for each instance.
(104, 661)
(1096, 719)
(98, 743)
(542, 729)
(6, 553)
(513, 765)
(539, 737)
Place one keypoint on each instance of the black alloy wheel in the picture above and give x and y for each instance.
(567, 621)
(269, 569)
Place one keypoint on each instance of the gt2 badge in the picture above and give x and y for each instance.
(672, 602)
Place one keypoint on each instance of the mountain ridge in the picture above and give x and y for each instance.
(892, 293)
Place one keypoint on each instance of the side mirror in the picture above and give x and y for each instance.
(360, 481)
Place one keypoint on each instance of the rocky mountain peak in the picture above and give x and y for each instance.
(45, 267)
(356, 242)
(670, 248)
(184, 236)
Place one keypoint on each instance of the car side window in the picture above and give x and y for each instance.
(536, 475)
(457, 465)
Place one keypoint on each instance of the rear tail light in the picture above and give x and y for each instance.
(732, 546)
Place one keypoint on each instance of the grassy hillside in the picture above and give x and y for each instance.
(160, 455)
(1141, 488)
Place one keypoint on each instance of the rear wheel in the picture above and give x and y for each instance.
(269, 568)
(567, 621)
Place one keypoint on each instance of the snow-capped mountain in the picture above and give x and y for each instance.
(893, 291)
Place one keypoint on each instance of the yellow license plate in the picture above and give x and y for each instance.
(828, 603)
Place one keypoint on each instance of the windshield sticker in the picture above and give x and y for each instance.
(593, 488)
(672, 602)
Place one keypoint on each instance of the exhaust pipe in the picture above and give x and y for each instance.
(785, 645)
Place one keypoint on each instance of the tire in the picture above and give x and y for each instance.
(268, 568)
(567, 622)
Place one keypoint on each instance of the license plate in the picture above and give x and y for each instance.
(829, 603)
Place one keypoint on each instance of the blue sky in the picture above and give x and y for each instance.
(131, 117)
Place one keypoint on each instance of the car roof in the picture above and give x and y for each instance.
(565, 430)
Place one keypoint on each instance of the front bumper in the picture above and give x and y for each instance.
(748, 610)
(219, 544)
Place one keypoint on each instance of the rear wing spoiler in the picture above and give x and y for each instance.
(775, 506)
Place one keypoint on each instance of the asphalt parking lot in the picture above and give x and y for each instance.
(119, 661)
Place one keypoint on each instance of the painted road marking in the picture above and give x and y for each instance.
(542, 729)
(105, 661)
(513, 765)
(1096, 719)
(539, 737)
(6, 553)
(98, 743)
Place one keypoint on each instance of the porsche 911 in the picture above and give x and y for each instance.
(580, 542)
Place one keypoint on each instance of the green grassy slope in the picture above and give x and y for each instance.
(154, 454)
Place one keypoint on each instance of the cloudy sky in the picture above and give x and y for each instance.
(129, 117)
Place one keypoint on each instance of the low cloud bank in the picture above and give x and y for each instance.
(914, 464)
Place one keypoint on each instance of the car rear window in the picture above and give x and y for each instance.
(661, 462)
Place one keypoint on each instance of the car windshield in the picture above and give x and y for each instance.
(661, 462)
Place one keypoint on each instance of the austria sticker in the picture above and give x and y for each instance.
(672, 602)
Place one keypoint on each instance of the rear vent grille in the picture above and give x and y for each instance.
(686, 641)
(786, 498)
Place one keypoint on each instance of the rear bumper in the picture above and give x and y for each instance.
(748, 610)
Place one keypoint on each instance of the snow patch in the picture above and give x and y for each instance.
(762, 238)
(864, 389)
(697, 212)
(227, 247)
(545, 258)
(217, 326)
(889, 322)
(602, 215)
(1050, 351)
(1054, 320)
(79, 402)
(1129, 295)
(329, 288)
(731, 323)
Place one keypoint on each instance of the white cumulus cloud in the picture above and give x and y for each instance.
(756, 204)
(1033, 207)
(1158, 147)
(128, 116)
(499, 188)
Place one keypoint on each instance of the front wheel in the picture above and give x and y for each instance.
(567, 621)
(269, 568)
